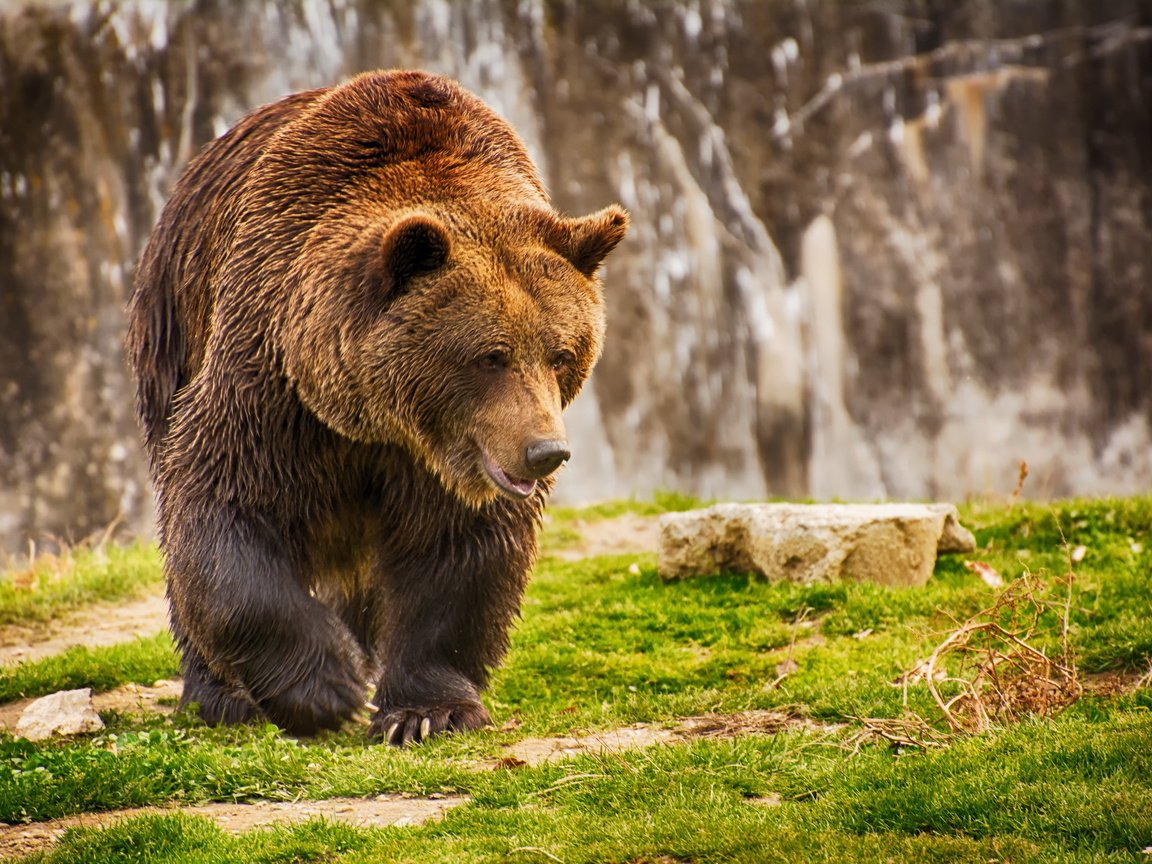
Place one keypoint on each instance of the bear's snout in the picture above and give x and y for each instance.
(543, 457)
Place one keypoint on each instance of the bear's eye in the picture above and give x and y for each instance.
(494, 360)
(562, 360)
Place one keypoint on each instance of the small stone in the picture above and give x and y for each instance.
(69, 712)
(772, 799)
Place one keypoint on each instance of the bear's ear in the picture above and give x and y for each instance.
(415, 244)
(588, 240)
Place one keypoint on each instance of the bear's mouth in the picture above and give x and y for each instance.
(509, 485)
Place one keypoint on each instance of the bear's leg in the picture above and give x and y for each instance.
(438, 637)
(246, 612)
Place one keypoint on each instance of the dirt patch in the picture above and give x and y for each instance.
(379, 812)
(619, 536)
(94, 627)
(1115, 683)
(131, 700)
(536, 751)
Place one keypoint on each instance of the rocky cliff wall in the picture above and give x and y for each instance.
(880, 249)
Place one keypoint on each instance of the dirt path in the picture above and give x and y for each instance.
(94, 627)
(385, 810)
(131, 699)
(627, 533)
(536, 751)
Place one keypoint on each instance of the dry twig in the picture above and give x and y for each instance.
(1023, 475)
(788, 666)
(1000, 674)
(909, 731)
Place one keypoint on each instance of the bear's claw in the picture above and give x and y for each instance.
(403, 726)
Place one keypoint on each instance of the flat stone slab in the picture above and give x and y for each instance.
(890, 544)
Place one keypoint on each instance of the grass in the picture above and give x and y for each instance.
(33, 592)
(604, 644)
(141, 661)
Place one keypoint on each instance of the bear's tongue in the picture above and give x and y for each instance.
(511, 485)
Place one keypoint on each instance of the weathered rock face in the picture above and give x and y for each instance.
(879, 250)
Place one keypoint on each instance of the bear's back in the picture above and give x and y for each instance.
(171, 308)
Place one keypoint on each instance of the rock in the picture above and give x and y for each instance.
(69, 712)
(890, 544)
(954, 537)
(882, 250)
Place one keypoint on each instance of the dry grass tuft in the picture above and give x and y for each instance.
(994, 660)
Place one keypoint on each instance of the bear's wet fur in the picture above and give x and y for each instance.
(354, 330)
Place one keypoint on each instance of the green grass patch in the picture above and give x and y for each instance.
(51, 584)
(1064, 790)
(603, 644)
(141, 661)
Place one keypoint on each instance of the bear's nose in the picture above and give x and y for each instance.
(544, 457)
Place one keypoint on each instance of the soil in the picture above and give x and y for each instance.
(536, 751)
(379, 812)
(627, 533)
(94, 627)
(129, 700)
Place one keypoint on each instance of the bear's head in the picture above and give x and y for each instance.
(436, 300)
(463, 340)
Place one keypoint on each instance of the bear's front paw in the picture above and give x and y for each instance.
(322, 700)
(400, 726)
(217, 706)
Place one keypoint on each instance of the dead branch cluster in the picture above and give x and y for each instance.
(993, 669)
(989, 670)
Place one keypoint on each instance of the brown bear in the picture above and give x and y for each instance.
(354, 330)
